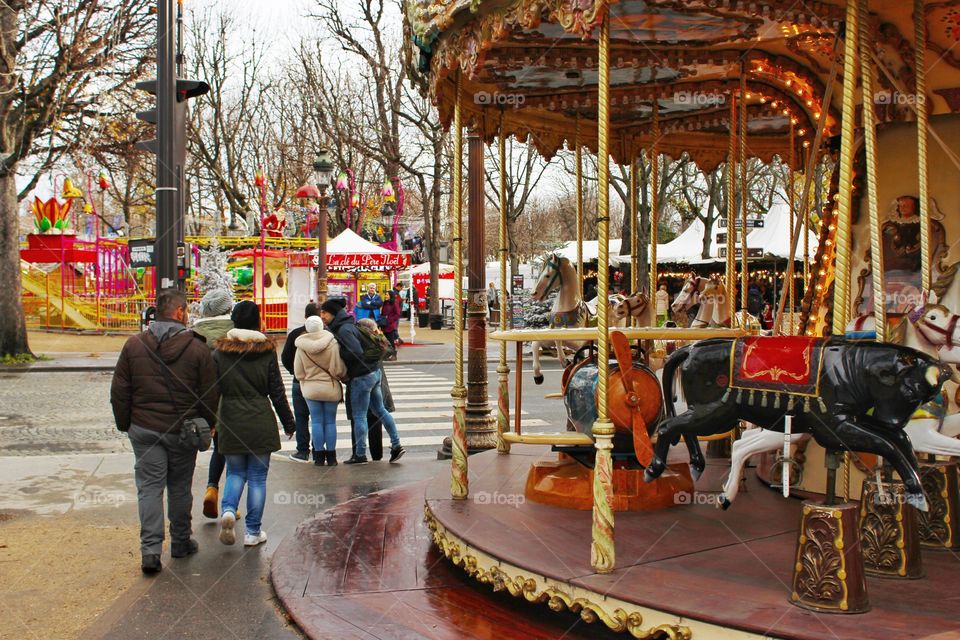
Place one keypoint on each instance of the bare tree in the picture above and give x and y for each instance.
(52, 58)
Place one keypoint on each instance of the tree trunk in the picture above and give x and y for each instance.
(13, 326)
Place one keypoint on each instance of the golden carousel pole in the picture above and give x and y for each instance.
(654, 202)
(731, 208)
(458, 467)
(602, 552)
(744, 275)
(920, 64)
(579, 156)
(503, 369)
(792, 194)
(633, 212)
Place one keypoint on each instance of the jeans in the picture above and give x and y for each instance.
(365, 394)
(250, 469)
(301, 414)
(161, 462)
(217, 463)
(323, 415)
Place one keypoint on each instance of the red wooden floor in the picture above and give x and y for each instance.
(367, 568)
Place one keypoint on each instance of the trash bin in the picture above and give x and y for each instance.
(436, 321)
(423, 320)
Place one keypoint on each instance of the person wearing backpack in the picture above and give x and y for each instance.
(362, 353)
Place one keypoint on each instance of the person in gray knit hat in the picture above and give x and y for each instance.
(215, 308)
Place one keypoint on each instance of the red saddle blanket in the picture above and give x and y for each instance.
(785, 364)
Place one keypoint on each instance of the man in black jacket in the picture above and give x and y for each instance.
(164, 375)
(300, 410)
(365, 380)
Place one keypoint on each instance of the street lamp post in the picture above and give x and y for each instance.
(323, 171)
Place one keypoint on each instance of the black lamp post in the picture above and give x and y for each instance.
(323, 171)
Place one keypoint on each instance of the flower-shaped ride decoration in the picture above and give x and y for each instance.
(50, 216)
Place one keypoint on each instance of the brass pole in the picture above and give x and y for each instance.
(841, 276)
(503, 369)
(602, 551)
(870, 151)
(791, 191)
(920, 66)
(458, 466)
(654, 200)
(633, 212)
(732, 208)
(579, 155)
(744, 273)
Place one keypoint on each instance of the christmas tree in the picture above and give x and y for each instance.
(212, 273)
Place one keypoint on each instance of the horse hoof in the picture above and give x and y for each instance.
(724, 503)
(918, 500)
(538, 379)
(650, 475)
(695, 472)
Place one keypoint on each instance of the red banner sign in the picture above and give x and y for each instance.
(354, 261)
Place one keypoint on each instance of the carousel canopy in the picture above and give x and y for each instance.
(530, 68)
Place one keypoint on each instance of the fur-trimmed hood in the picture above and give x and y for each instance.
(243, 342)
(316, 342)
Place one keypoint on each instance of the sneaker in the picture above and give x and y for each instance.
(356, 460)
(150, 564)
(396, 453)
(210, 500)
(300, 456)
(184, 549)
(253, 539)
(227, 521)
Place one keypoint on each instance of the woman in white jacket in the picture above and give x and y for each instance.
(319, 369)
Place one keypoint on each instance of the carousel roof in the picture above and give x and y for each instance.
(530, 67)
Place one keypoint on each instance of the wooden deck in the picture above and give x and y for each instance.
(368, 569)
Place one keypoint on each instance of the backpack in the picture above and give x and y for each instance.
(374, 345)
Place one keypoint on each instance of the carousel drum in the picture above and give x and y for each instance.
(644, 397)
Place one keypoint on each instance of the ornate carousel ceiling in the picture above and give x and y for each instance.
(530, 68)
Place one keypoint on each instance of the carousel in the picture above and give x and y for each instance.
(640, 513)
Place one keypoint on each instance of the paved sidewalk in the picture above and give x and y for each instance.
(220, 592)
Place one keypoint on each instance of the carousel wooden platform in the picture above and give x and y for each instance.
(368, 568)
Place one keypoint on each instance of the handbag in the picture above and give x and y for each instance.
(194, 432)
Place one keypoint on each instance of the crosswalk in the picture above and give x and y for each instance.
(424, 412)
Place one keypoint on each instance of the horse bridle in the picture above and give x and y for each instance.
(631, 306)
(918, 319)
(557, 276)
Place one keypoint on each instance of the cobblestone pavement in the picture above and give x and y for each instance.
(56, 413)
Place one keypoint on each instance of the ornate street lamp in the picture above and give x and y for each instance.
(323, 172)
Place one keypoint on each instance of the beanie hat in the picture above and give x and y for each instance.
(246, 315)
(313, 324)
(216, 303)
(331, 306)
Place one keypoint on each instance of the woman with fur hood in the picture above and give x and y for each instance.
(319, 369)
(246, 426)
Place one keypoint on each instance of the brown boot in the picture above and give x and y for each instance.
(210, 500)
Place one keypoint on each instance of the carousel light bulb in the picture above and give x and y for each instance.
(794, 120)
(809, 103)
(802, 132)
(806, 143)
(816, 115)
(789, 82)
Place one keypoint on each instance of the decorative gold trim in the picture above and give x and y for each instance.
(618, 615)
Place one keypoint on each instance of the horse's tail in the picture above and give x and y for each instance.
(669, 369)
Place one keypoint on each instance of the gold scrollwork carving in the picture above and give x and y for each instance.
(536, 589)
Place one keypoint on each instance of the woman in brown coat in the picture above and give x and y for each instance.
(319, 369)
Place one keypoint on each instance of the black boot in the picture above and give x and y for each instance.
(331, 458)
(319, 458)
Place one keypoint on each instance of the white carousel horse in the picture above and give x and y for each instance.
(711, 295)
(569, 310)
(931, 327)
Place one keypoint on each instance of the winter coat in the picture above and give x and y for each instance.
(290, 349)
(249, 382)
(368, 307)
(212, 329)
(157, 394)
(348, 338)
(391, 314)
(318, 366)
